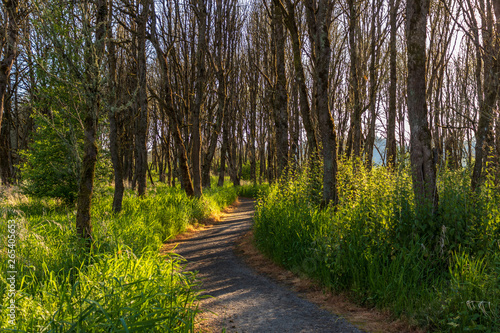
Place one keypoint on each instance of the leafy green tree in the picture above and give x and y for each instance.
(75, 32)
(52, 162)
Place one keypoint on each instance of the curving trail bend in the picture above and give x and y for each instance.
(242, 300)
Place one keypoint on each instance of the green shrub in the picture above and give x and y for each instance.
(52, 162)
(51, 167)
(253, 191)
(441, 270)
(246, 171)
(472, 299)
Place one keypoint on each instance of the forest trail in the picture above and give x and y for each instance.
(242, 300)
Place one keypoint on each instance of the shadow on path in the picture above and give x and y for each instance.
(241, 300)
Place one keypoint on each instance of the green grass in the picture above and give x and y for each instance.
(125, 285)
(253, 190)
(441, 272)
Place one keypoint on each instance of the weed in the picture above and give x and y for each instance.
(124, 286)
(440, 271)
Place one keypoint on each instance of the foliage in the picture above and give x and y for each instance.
(117, 293)
(246, 170)
(441, 271)
(253, 191)
(52, 162)
(125, 285)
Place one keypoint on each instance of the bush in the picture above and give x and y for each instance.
(246, 171)
(52, 162)
(441, 271)
(253, 191)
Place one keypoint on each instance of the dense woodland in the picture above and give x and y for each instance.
(190, 89)
(327, 93)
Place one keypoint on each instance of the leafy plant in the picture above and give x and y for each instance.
(125, 285)
(439, 270)
(52, 162)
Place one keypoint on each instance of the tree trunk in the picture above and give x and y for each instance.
(232, 148)
(496, 7)
(6, 172)
(113, 128)
(221, 98)
(374, 51)
(168, 157)
(207, 161)
(354, 86)
(201, 12)
(223, 154)
(484, 137)
(253, 125)
(294, 147)
(174, 116)
(253, 151)
(185, 173)
(141, 164)
(280, 96)
(94, 55)
(290, 21)
(393, 77)
(322, 20)
(262, 150)
(9, 51)
(423, 168)
(224, 149)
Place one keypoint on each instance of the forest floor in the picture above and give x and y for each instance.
(248, 293)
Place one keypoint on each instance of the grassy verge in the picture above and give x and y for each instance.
(441, 272)
(125, 286)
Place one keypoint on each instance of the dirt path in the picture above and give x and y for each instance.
(242, 300)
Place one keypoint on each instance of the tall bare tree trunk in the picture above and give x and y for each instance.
(224, 148)
(141, 136)
(391, 121)
(496, 7)
(175, 118)
(305, 110)
(320, 15)
(354, 84)
(423, 168)
(233, 149)
(113, 128)
(221, 41)
(201, 12)
(253, 123)
(295, 132)
(484, 137)
(262, 150)
(374, 52)
(280, 96)
(9, 51)
(94, 50)
(168, 157)
(6, 171)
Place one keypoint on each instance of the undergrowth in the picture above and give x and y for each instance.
(124, 285)
(439, 271)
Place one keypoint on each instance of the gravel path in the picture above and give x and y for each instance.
(242, 300)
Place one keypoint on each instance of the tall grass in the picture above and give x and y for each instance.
(124, 285)
(440, 271)
(249, 190)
